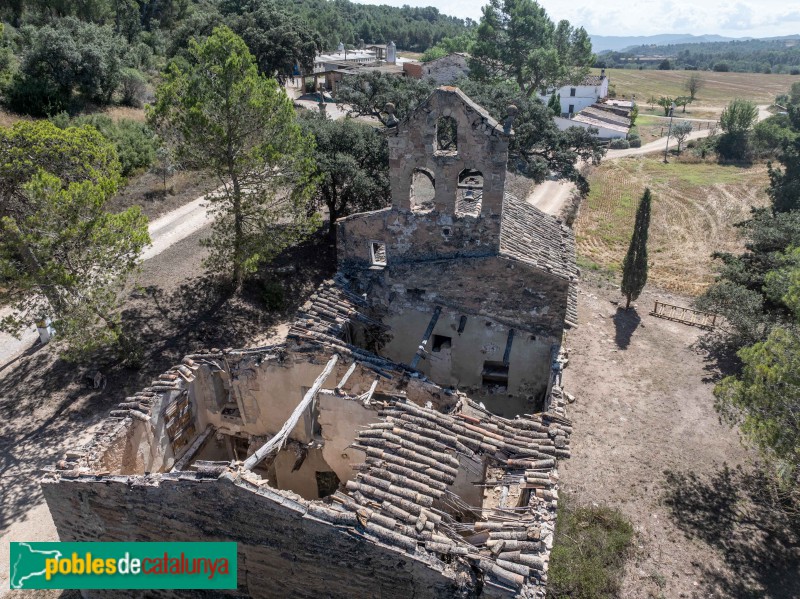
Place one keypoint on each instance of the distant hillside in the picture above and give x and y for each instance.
(775, 55)
(601, 43)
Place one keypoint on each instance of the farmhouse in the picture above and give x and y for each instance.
(351, 460)
(575, 98)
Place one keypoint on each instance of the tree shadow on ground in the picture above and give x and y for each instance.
(46, 406)
(720, 357)
(625, 323)
(757, 536)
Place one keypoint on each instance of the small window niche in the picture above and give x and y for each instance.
(441, 342)
(495, 376)
(572, 92)
(446, 136)
(377, 254)
(327, 483)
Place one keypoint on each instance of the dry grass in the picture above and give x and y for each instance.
(718, 88)
(9, 118)
(695, 205)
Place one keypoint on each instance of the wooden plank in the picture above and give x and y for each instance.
(280, 437)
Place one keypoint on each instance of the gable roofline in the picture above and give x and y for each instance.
(470, 105)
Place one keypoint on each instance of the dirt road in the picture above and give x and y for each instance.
(164, 232)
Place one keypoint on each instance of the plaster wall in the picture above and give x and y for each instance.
(339, 421)
(480, 341)
(302, 481)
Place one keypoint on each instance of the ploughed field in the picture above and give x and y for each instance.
(695, 207)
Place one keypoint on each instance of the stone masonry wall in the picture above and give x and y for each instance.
(482, 145)
(288, 548)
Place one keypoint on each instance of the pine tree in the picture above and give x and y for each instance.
(634, 268)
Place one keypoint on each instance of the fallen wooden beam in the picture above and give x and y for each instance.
(282, 435)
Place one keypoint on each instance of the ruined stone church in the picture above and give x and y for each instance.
(404, 439)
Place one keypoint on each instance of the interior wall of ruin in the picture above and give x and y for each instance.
(281, 552)
(140, 445)
(339, 421)
(481, 340)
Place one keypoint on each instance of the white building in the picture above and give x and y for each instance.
(575, 98)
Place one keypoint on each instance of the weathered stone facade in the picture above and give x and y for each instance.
(498, 273)
(447, 69)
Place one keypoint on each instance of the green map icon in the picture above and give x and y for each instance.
(27, 563)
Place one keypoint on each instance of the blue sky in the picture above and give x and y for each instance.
(751, 18)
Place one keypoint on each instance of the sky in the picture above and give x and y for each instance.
(752, 18)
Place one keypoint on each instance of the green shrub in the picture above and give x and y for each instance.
(132, 84)
(135, 143)
(273, 296)
(35, 97)
(620, 144)
(635, 143)
(589, 552)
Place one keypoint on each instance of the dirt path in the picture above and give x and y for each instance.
(647, 441)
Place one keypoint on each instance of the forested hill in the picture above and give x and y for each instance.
(411, 28)
(756, 56)
(60, 55)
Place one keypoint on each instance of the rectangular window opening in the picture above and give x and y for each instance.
(571, 108)
(441, 342)
(572, 91)
(377, 253)
(495, 376)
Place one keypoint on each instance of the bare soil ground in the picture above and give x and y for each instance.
(648, 442)
(45, 408)
(696, 204)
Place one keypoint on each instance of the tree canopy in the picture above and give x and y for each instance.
(351, 162)
(238, 125)
(517, 40)
(66, 257)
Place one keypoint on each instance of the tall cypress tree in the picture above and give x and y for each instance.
(634, 268)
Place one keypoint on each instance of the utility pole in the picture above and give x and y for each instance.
(669, 131)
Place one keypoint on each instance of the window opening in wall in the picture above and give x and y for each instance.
(441, 342)
(446, 135)
(327, 483)
(378, 253)
(470, 192)
(571, 108)
(572, 91)
(423, 189)
(495, 376)
(462, 322)
(447, 231)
